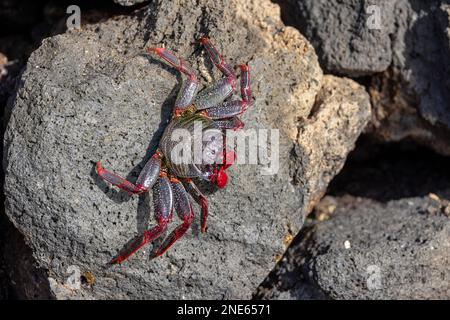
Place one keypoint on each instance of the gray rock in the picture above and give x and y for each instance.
(411, 48)
(26, 282)
(412, 99)
(351, 37)
(342, 105)
(397, 250)
(93, 95)
(422, 56)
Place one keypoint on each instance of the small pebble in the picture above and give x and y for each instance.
(433, 196)
(347, 244)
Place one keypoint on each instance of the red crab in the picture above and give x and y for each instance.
(170, 179)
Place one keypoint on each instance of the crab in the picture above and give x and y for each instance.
(172, 181)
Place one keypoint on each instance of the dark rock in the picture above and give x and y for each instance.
(19, 15)
(348, 36)
(411, 49)
(93, 94)
(390, 171)
(378, 176)
(412, 99)
(369, 251)
(27, 282)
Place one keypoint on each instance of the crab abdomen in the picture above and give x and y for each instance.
(179, 146)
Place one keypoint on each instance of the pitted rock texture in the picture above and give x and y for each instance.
(412, 99)
(343, 105)
(394, 202)
(94, 94)
(351, 37)
(369, 250)
(403, 44)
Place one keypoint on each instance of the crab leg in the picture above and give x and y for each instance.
(144, 182)
(214, 94)
(217, 58)
(184, 210)
(186, 94)
(200, 199)
(222, 89)
(163, 203)
(227, 109)
(189, 87)
(231, 108)
(246, 90)
(174, 61)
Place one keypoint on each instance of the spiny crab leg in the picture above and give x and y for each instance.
(185, 212)
(222, 89)
(189, 86)
(227, 109)
(173, 60)
(235, 107)
(163, 203)
(200, 199)
(149, 174)
(214, 94)
(217, 58)
(144, 182)
(246, 90)
(186, 94)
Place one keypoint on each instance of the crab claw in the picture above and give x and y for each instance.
(220, 177)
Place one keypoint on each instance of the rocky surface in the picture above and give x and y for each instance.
(409, 44)
(411, 99)
(387, 212)
(371, 251)
(343, 105)
(339, 31)
(23, 24)
(27, 282)
(93, 95)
